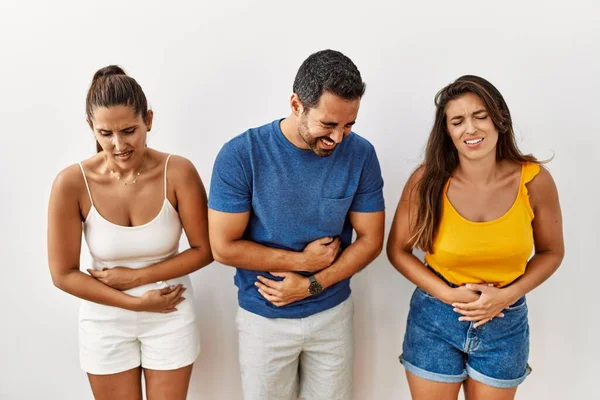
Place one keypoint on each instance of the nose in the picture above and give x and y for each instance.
(337, 135)
(118, 142)
(470, 127)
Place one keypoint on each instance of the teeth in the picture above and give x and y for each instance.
(474, 141)
(327, 142)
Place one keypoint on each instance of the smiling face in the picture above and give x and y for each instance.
(471, 128)
(323, 127)
(121, 133)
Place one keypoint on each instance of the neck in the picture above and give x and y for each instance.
(125, 173)
(289, 127)
(478, 172)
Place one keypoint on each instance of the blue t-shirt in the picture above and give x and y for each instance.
(294, 197)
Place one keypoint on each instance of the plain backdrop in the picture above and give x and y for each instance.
(212, 69)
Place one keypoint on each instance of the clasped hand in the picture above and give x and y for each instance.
(490, 304)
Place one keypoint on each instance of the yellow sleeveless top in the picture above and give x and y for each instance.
(494, 251)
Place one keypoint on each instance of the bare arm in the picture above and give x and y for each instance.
(369, 229)
(547, 235)
(229, 247)
(400, 253)
(64, 245)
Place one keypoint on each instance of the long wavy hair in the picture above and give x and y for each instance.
(441, 156)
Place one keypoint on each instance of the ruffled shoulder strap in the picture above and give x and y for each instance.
(530, 171)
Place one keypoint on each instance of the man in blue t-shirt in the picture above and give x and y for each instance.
(284, 201)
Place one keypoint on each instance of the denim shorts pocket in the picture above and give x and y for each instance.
(333, 214)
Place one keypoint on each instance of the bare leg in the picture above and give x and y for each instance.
(423, 389)
(125, 385)
(168, 385)
(475, 390)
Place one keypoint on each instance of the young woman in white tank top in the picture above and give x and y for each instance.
(131, 203)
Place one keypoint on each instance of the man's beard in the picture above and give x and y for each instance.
(312, 143)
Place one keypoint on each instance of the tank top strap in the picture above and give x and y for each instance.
(166, 163)
(86, 184)
(529, 171)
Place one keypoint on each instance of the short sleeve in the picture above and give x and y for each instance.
(230, 187)
(369, 196)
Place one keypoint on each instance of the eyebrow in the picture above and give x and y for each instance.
(124, 129)
(481, 111)
(333, 124)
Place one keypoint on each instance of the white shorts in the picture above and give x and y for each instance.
(113, 340)
(312, 357)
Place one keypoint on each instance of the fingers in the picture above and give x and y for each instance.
(478, 287)
(479, 317)
(470, 313)
(467, 306)
(267, 289)
(483, 321)
(270, 282)
(177, 293)
(324, 241)
(178, 301)
(168, 289)
(335, 246)
(97, 274)
(275, 300)
(271, 298)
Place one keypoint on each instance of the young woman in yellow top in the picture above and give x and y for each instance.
(478, 207)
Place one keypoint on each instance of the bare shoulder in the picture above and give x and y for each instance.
(69, 181)
(542, 189)
(542, 182)
(415, 177)
(181, 170)
(412, 185)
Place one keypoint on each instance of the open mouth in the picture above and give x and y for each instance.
(327, 143)
(124, 155)
(472, 142)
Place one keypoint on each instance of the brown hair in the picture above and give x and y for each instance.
(441, 156)
(111, 87)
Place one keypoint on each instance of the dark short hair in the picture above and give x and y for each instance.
(327, 71)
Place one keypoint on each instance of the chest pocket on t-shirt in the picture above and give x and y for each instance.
(332, 215)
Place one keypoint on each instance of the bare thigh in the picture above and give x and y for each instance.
(168, 385)
(423, 389)
(479, 391)
(125, 385)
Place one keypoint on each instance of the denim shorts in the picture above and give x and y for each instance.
(439, 347)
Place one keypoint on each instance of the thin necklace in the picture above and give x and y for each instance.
(118, 176)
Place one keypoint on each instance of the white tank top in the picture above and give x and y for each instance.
(113, 245)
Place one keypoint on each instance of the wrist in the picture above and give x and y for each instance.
(314, 286)
(140, 277)
(445, 293)
(512, 293)
(134, 303)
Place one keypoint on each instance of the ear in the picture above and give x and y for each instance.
(149, 119)
(296, 105)
(89, 122)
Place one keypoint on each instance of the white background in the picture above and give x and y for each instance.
(213, 69)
